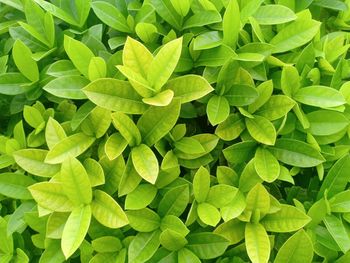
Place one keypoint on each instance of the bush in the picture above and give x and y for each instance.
(174, 131)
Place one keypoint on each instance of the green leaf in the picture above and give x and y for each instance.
(287, 219)
(241, 95)
(231, 24)
(54, 133)
(338, 231)
(202, 18)
(127, 128)
(189, 87)
(276, 107)
(266, 165)
(207, 40)
(274, 14)
(258, 200)
(261, 130)
(231, 128)
(143, 246)
(97, 68)
(33, 116)
(340, 203)
(95, 172)
(326, 122)
(218, 109)
(181, 7)
(257, 243)
(209, 214)
(185, 255)
(167, 12)
(295, 35)
(145, 162)
(71, 146)
(143, 220)
(22, 56)
(137, 57)
(232, 230)
(221, 195)
(207, 245)
(290, 80)
(201, 184)
(107, 211)
(75, 230)
(110, 15)
(75, 181)
(79, 54)
(189, 145)
(175, 201)
(51, 196)
(164, 64)
(115, 145)
(106, 244)
(337, 178)
(296, 153)
(97, 122)
(14, 185)
(174, 223)
(161, 99)
(172, 240)
(69, 87)
(32, 161)
(156, 122)
(116, 95)
(319, 96)
(298, 248)
(146, 191)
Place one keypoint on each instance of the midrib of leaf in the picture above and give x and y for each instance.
(145, 244)
(139, 64)
(119, 98)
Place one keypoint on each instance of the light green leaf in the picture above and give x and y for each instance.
(189, 87)
(241, 95)
(32, 161)
(116, 95)
(231, 128)
(97, 68)
(287, 219)
(156, 122)
(175, 201)
(107, 211)
(276, 107)
(137, 57)
(143, 220)
(274, 14)
(127, 128)
(201, 184)
(258, 200)
(79, 54)
(75, 230)
(295, 35)
(133, 200)
(296, 153)
(298, 248)
(164, 64)
(115, 145)
(51, 196)
(161, 99)
(143, 246)
(218, 109)
(145, 162)
(54, 133)
(326, 122)
(319, 96)
(232, 230)
(14, 185)
(340, 203)
(75, 181)
(257, 243)
(207, 245)
(290, 80)
(261, 130)
(69, 87)
(266, 165)
(209, 214)
(22, 57)
(71, 146)
(231, 24)
(110, 15)
(338, 231)
(172, 240)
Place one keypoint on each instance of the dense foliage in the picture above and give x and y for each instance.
(174, 131)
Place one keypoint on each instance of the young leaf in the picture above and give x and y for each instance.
(231, 24)
(164, 64)
(24, 61)
(274, 14)
(143, 246)
(218, 109)
(201, 184)
(107, 211)
(127, 128)
(207, 245)
(145, 162)
(261, 130)
(156, 122)
(79, 54)
(257, 243)
(15, 185)
(266, 165)
(75, 230)
(209, 214)
(298, 248)
(133, 201)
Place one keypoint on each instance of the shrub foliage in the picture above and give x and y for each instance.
(174, 131)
